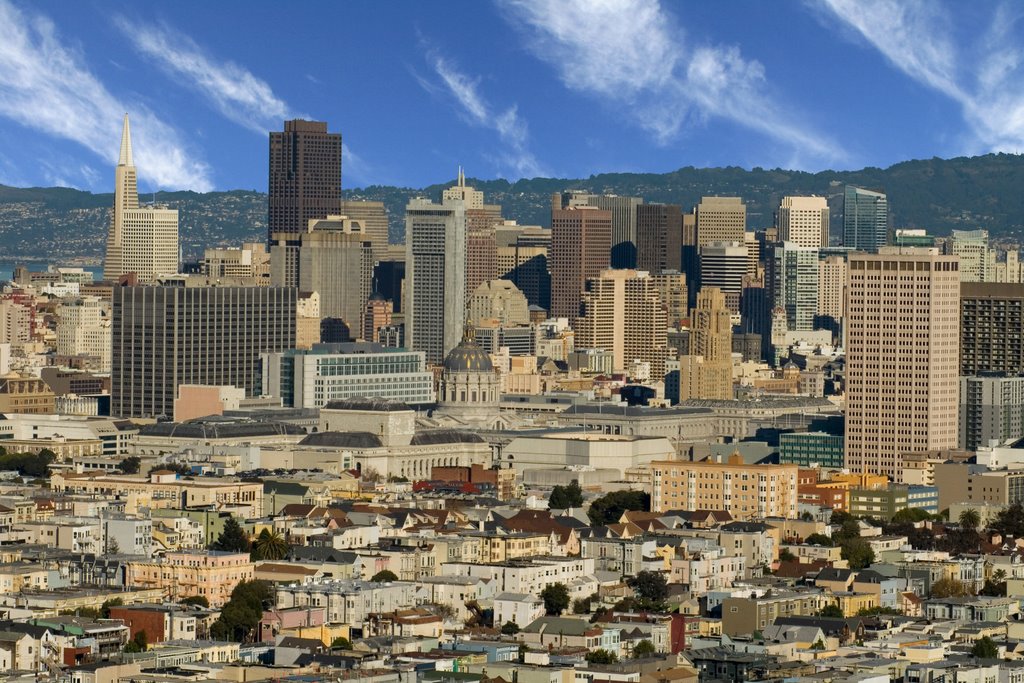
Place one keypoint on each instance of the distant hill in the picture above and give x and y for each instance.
(937, 194)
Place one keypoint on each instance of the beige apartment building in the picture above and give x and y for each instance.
(622, 312)
(832, 274)
(747, 492)
(163, 490)
(804, 221)
(902, 357)
(188, 573)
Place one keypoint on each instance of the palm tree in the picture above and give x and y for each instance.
(998, 576)
(270, 545)
(970, 519)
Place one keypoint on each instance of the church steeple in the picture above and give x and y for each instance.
(125, 158)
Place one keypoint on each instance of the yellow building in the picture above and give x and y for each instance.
(852, 603)
(746, 491)
(183, 574)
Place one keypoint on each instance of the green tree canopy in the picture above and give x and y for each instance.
(832, 611)
(241, 614)
(651, 589)
(819, 539)
(270, 544)
(1009, 521)
(644, 648)
(130, 465)
(608, 509)
(563, 497)
(197, 600)
(233, 539)
(384, 576)
(857, 553)
(509, 628)
(985, 648)
(970, 519)
(950, 588)
(910, 516)
(556, 598)
(341, 643)
(602, 656)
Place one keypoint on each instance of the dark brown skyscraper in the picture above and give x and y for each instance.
(305, 176)
(581, 240)
(659, 237)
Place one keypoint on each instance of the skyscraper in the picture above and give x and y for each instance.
(723, 265)
(332, 256)
(720, 219)
(622, 312)
(902, 374)
(141, 240)
(305, 176)
(659, 237)
(977, 261)
(794, 281)
(374, 219)
(522, 258)
(711, 340)
(623, 251)
(804, 221)
(435, 276)
(165, 336)
(832, 273)
(991, 316)
(580, 250)
(865, 219)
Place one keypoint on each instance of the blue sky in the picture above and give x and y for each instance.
(510, 88)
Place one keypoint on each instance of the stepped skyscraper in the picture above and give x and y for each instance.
(142, 240)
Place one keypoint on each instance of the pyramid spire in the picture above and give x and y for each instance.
(125, 159)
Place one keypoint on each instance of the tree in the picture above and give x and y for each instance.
(178, 468)
(242, 612)
(910, 516)
(970, 519)
(28, 464)
(644, 648)
(849, 528)
(130, 465)
(384, 576)
(651, 589)
(608, 509)
(950, 588)
(563, 497)
(556, 598)
(819, 539)
(806, 516)
(581, 606)
(341, 643)
(233, 539)
(107, 604)
(839, 516)
(139, 643)
(832, 611)
(270, 544)
(1009, 521)
(786, 555)
(985, 648)
(197, 600)
(818, 645)
(509, 628)
(857, 553)
(874, 611)
(601, 656)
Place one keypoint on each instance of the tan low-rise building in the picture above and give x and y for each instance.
(745, 491)
(165, 489)
(209, 574)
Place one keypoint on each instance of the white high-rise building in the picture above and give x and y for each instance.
(435, 276)
(141, 240)
(83, 329)
(795, 284)
(804, 221)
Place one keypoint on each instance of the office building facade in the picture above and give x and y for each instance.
(865, 218)
(167, 336)
(305, 176)
(991, 410)
(804, 221)
(902, 375)
(991, 319)
(793, 275)
(580, 249)
(335, 372)
(659, 237)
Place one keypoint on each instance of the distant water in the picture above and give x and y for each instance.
(7, 268)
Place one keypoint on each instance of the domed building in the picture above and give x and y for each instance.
(469, 390)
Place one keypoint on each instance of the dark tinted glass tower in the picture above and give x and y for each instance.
(305, 176)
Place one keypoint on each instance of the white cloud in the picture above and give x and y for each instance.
(512, 130)
(239, 95)
(634, 54)
(985, 78)
(46, 86)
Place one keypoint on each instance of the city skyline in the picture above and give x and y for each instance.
(705, 88)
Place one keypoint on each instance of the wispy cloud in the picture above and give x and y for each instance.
(233, 90)
(985, 78)
(45, 85)
(512, 130)
(634, 54)
(237, 94)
